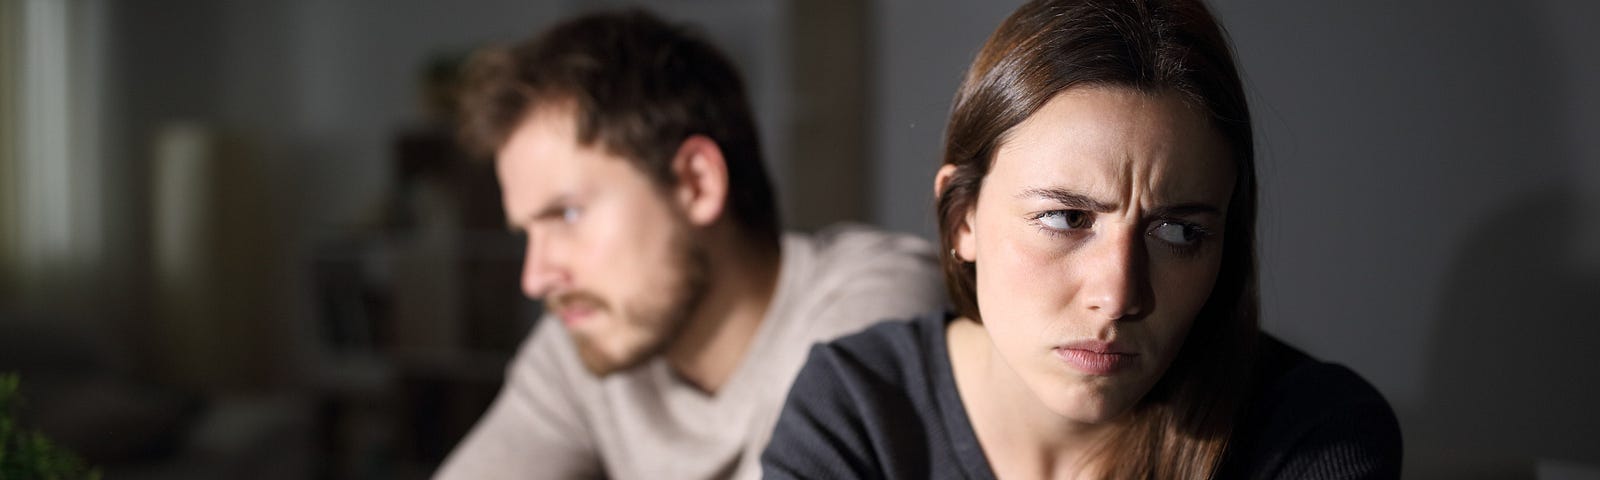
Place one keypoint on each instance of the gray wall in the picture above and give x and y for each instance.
(314, 95)
(1429, 214)
(1431, 200)
(326, 85)
(923, 50)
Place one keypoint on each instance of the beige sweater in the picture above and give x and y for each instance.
(554, 420)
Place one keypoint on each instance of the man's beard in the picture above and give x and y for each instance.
(657, 323)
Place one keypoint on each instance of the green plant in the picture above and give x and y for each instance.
(26, 454)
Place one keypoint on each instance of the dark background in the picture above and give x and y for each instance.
(235, 241)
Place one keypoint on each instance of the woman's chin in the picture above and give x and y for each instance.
(1090, 405)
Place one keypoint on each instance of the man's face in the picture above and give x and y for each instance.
(608, 250)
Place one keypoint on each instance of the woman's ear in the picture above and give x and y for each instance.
(702, 180)
(965, 247)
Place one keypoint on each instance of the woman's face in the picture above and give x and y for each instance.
(1097, 236)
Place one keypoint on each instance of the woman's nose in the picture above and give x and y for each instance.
(1115, 277)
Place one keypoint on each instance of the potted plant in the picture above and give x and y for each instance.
(26, 454)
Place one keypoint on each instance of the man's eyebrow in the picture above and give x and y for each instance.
(1069, 199)
(515, 226)
(554, 208)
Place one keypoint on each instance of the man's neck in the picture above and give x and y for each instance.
(742, 281)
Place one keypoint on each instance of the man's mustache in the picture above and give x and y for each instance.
(576, 298)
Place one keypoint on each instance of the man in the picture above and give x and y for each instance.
(679, 314)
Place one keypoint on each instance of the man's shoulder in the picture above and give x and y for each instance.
(848, 277)
(856, 247)
(852, 260)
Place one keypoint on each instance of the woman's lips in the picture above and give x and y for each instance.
(1095, 357)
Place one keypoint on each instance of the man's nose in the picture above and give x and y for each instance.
(541, 269)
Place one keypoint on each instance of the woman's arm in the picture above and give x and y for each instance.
(1323, 421)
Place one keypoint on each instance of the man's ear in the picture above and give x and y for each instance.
(965, 247)
(702, 180)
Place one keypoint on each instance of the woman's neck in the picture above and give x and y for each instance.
(1021, 437)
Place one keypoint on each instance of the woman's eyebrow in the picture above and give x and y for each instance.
(1069, 199)
(1185, 209)
(1078, 201)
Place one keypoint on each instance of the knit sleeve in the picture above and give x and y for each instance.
(1360, 442)
(1323, 421)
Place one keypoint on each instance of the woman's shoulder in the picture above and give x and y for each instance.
(1312, 419)
(865, 406)
(890, 353)
(1287, 376)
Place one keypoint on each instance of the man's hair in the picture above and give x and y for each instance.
(640, 86)
(1182, 426)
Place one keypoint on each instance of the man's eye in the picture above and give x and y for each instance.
(1065, 219)
(1180, 234)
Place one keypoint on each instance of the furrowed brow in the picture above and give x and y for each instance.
(1069, 199)
(1186, 209)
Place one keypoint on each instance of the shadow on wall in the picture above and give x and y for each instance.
(1426, 150)
(1510, 386)
(1513, 386)
(1511, 389)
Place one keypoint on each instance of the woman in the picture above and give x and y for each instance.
(1097, 202)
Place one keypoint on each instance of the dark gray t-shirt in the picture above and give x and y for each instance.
(883, 404)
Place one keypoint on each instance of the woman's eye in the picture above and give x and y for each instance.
(571, 215)
(1065, 219)
(1180, 234)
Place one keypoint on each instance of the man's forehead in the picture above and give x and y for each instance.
(544, 159)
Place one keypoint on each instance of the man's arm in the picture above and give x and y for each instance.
(535, 427)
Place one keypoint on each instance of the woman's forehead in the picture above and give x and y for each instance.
(1111, 141)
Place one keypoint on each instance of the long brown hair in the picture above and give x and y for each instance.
(1180, 429)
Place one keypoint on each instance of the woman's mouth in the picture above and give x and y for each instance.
(1095, 357)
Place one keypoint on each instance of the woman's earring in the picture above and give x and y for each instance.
(957, 257)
